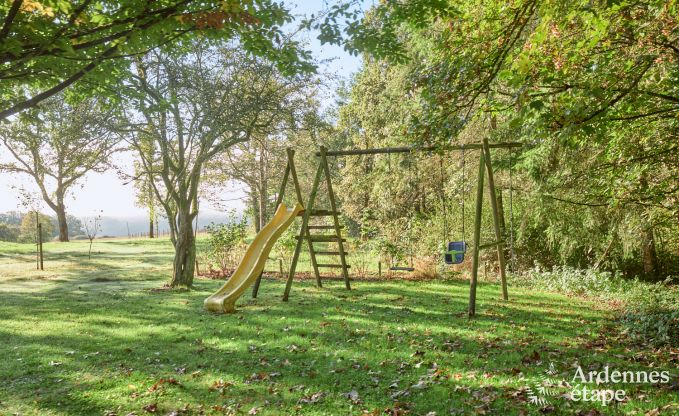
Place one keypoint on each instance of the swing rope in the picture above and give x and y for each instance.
(462, 193)
(443, 200)
(511, 214)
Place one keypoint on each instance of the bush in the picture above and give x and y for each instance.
(223, 241)
(9, 232)
(650, 312)
(285, 247)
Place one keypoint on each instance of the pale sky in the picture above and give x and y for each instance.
(106, 192)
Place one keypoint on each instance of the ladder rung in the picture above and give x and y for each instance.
(323, 213)
(328, 253)
(405, 269)
(323, 227)
(325, 238)
(333, 266)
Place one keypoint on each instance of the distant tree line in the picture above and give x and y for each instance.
(20, 227)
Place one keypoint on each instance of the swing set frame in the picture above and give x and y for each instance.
(323, 170)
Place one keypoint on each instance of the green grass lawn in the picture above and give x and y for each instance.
(94, 337)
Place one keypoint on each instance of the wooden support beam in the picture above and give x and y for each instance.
(305, 225)
(501, 210)
(497, 226)
(279, 200)
(335, 218)
(333, 266)
(323, 213)
(477, 238)
(323, 238)
(304, 231)
(387, 150)
(323, 227)
(328, 253)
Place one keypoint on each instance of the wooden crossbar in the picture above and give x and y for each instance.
(383, 150)
(333, 266)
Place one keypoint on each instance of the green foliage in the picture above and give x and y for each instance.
(653, 323)
(10, 223)
(284, 248)
(48, 46)
(589, 88)
(224, 239)
(9, 232)
(75, 226)
(325, 340)
(650, 312)
(29, 231)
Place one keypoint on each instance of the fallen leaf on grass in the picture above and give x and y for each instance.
(261, 376)
(151, 408)
(419, 385)
(534, 358)
(160, 383)
(314, 398)
(220, 385)
(353, 397)
(400, 393)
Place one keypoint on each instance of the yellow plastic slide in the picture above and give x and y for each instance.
(253, 261)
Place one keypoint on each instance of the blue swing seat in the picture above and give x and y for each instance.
(455, 252)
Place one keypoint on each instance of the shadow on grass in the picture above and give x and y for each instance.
(379, 340)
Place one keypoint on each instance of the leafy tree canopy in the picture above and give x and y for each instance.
(48, 45)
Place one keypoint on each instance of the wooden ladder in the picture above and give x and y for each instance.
(305, 231)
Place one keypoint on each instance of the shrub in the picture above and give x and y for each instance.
(285, 247)
(650, 312)
(224, 240)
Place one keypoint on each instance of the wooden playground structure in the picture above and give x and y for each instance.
(323, 174)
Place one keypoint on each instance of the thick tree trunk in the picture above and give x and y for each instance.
(649, 255)
(185, 252)
(63, 223)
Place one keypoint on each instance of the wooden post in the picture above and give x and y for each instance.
(309, 207)
(477, 238)
(279, 200)
(40, 245)
(37, 243)
(379, 269)
(333, 207)
(280, 267)
(496, 219)
(501, 210)
(304, 231)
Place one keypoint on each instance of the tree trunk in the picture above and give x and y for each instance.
(184, 251)
(254, 201)
(63, 224)
(152, 212)
(151, 226)
(263, 197)
(649, 255)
